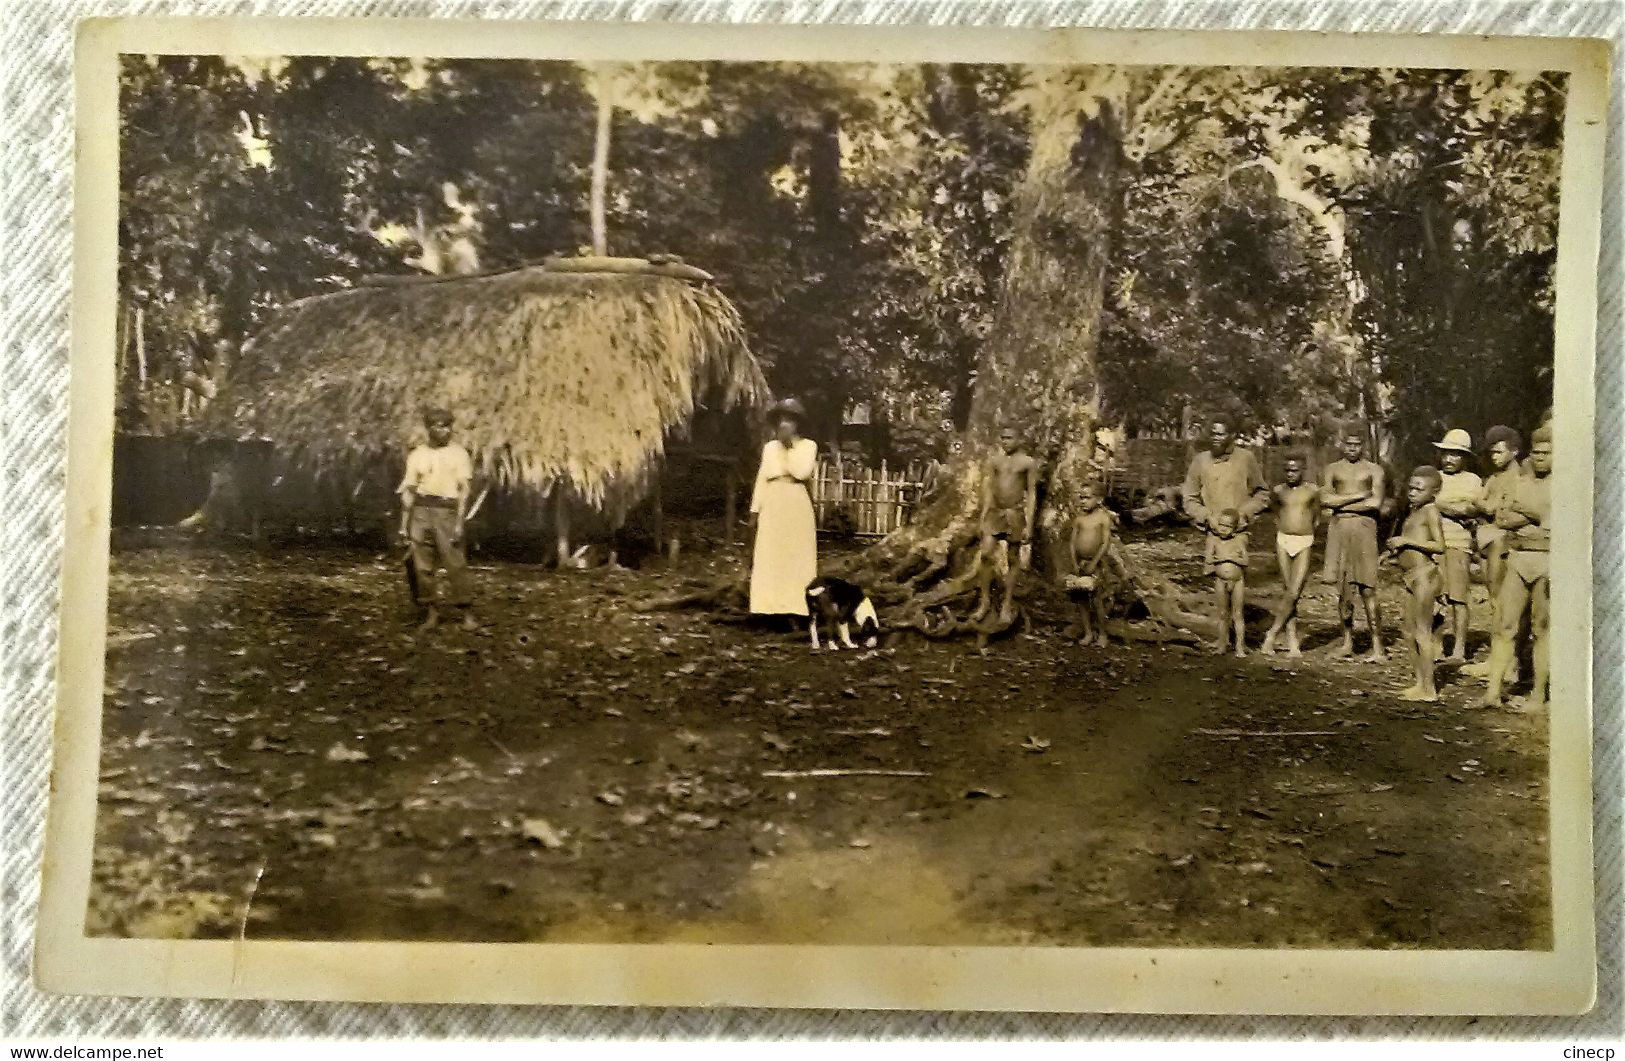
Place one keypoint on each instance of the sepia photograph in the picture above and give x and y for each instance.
(921, 503)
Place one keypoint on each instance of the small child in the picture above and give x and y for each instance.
(1418, 547)
(1227, 560)
(1298, 506)
(1092, 562)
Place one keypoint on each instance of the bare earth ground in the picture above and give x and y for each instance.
(282, 758)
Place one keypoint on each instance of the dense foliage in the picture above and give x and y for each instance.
(1288, 245)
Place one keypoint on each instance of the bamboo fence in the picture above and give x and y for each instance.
(870, 502)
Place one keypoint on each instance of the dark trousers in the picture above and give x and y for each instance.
(435, 545)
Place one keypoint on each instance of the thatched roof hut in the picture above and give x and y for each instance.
(555, 376)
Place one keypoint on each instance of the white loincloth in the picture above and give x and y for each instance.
(1293, 544)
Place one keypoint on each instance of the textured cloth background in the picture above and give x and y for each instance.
(36, 175)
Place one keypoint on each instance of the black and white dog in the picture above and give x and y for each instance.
(841, 606)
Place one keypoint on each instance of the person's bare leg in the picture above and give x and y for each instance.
(431, 619)
(1097, 604)
(1221, 597)
(1494, 575)
(1418, 642)
(1513, 598)
(1345, 616)
(1458, 626)
(1540, 619)
(1294, 591)
(1239, 614)
(984, 579)
(1283, 614)
(1427, 647)
(1009, 571)
(1373, 622)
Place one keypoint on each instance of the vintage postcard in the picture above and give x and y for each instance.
(926, 518)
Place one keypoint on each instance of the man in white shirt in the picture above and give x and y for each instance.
(434, 501)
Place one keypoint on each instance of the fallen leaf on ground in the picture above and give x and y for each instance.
(983, 793)
(338, 753)
(540, 831)
(1035, 744)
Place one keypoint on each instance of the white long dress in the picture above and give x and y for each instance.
(785, 559)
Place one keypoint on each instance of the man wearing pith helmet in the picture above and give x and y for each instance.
(1458, 500)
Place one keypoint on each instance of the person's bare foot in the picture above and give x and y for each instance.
(1490, 699)
(1268, 647)
(1294, 650)
(1529, 705)
(1007, 615)
(1343, 651)
(1417, 694)
(1101, 640)
(1219, 648)
(1241, 650)
(430, 621)
(1376, 655)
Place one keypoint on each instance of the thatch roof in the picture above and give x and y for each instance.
(552, 375)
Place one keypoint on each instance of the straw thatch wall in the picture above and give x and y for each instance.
(554, 377)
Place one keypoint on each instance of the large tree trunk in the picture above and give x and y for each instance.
(1036, 373)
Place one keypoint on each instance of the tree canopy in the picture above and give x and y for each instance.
(1282, 246)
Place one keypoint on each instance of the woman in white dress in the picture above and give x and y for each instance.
(785, 557)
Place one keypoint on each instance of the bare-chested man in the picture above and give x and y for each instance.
(1009, 500)
(1526, 586)
(1297, 507)
(1351, 495)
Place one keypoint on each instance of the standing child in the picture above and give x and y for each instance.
(1352, 496)
(1297, 506)
(1460, 492)
(1227, 560)
(434, 504)
(1009, 501)
(1418, 546)
(1092, 563)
